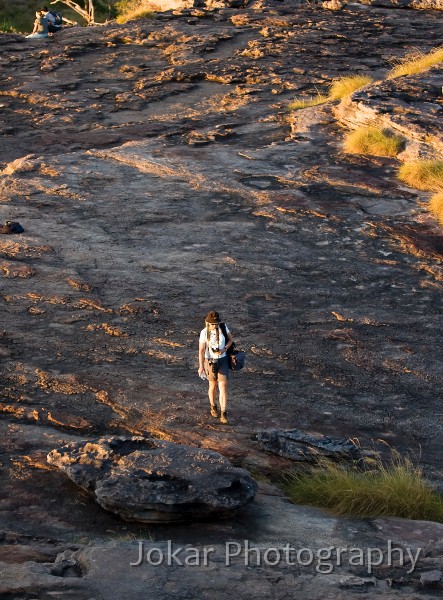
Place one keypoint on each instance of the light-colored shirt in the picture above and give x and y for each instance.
(212, 343)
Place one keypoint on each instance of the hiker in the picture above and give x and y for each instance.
(54, 20)
(215, 339)
(40, 29)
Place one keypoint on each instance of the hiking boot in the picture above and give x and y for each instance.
(214, 411)
(223, 418)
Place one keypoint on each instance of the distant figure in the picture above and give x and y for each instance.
(40, 29)
(54, 20)
(214, 340)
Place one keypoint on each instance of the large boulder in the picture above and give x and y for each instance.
(149, 480)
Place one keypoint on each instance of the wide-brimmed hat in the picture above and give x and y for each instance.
(212, 317)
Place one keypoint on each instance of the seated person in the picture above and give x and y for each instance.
(40, 29)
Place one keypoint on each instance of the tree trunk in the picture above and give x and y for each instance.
(87, 13)
(91, 11)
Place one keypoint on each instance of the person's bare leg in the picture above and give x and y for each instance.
(223, 399)
(211, 394)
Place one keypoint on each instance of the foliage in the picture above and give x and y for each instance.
(397, 489)
(373, 140)
(17, 17)
(436, 206)
(423, 174)
(6, 26)
(416, 62)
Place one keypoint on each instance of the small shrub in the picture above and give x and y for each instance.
(423, 174)
(436, 206)
(373, 140)
(394, 490)
(416, 62)
(344, 87)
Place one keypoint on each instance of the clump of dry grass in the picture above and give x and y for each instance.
(416, 62)
(345, 86)
(423, 174)
(129, 10)
(436, 206)
(305, 102)
(374, 141)
(342, 88)
(396, 489)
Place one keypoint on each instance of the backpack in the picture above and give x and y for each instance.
(58, 18)
(11, 227)
(236, 358)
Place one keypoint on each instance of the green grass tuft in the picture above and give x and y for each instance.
(7, 26)
(394, 490)
(416, 62)
(423, 174)
(374, 141)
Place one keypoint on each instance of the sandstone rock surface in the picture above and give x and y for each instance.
(158, 174)
(272, 549)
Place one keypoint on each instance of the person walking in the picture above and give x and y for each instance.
(214, 341)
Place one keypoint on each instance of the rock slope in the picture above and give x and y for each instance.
(158, 174)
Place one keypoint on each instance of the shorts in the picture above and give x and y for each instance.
(222, 373)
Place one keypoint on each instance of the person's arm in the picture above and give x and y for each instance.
(228, 344)
(201, 358)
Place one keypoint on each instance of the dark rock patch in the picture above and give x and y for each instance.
(303, 447)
